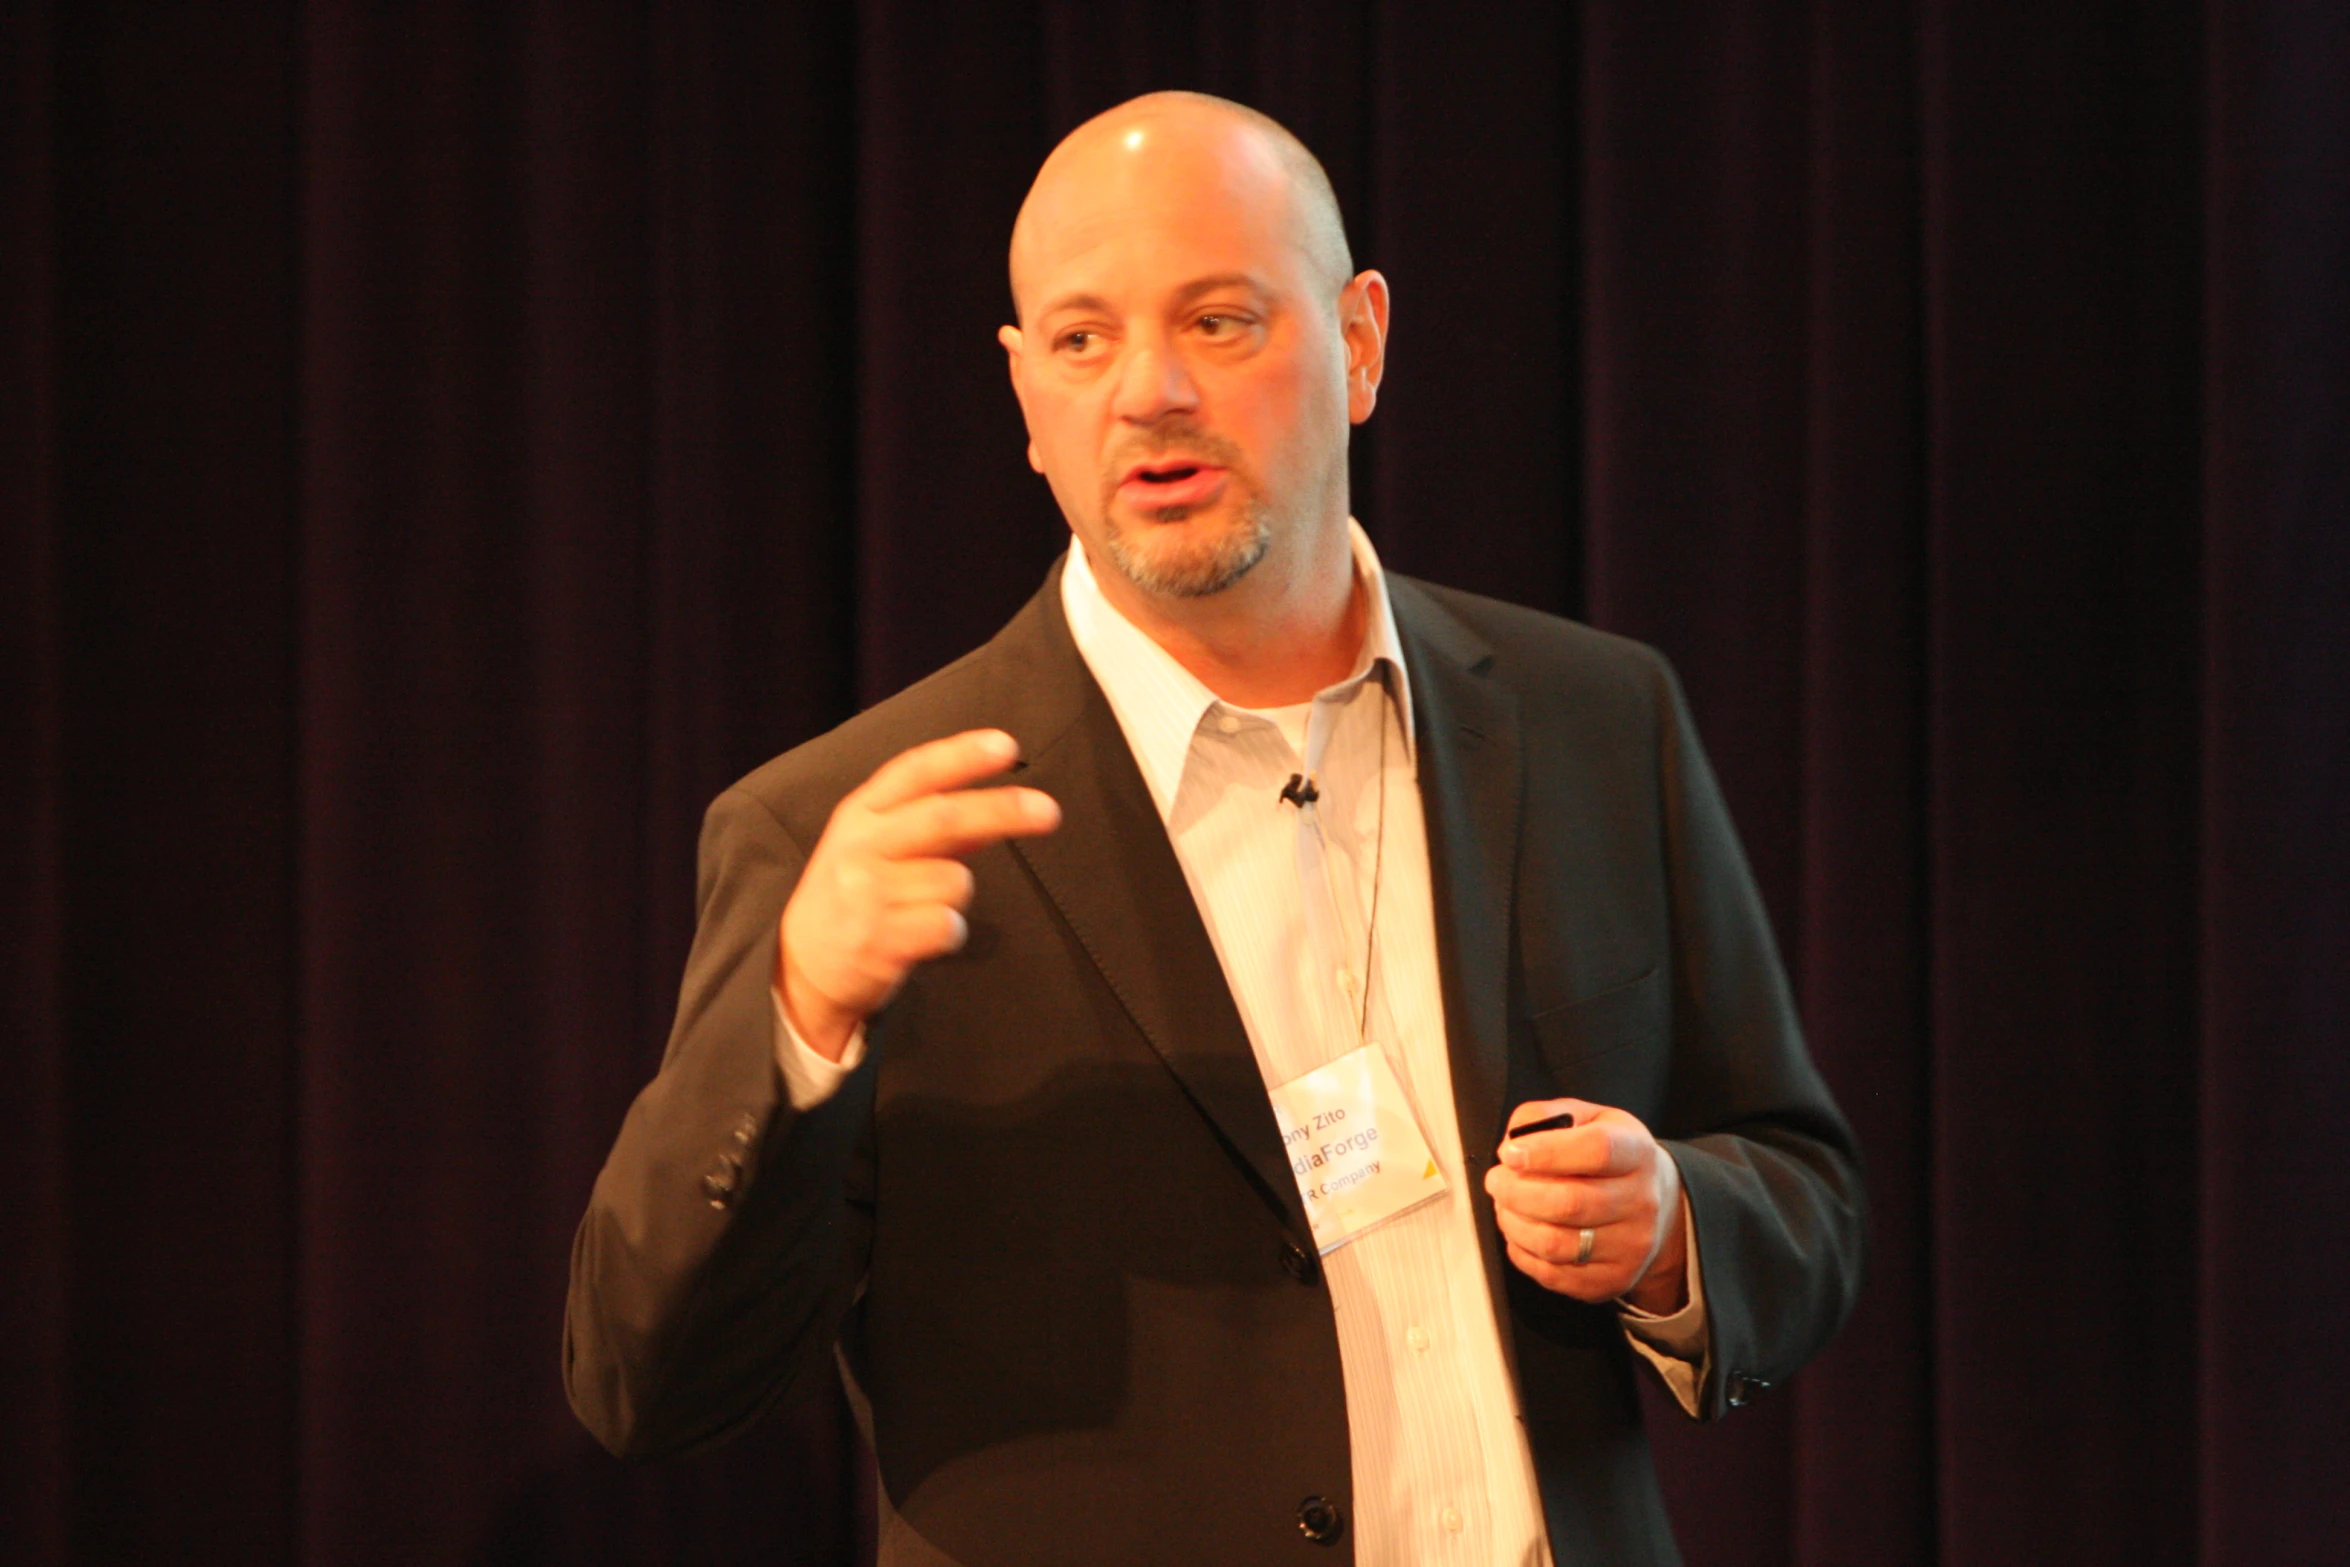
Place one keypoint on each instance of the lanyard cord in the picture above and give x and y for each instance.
(1378, 867)
(1310, 802)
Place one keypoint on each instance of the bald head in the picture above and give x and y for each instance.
(1103, 170)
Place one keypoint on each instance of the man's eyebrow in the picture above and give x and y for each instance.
(1096, 304)
(1217, 283)
(1092, 302)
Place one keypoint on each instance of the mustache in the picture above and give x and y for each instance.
(1168, 436)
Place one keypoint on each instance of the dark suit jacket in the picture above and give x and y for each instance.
(1048, 1220)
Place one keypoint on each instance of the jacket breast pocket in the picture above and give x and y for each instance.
(1610, 1047)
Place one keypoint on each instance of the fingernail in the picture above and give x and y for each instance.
(1513, 1154)
(1002, 745)
(1043, 808)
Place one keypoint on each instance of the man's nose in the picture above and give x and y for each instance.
(1153, 382)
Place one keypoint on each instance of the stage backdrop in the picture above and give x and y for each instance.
(444, 444)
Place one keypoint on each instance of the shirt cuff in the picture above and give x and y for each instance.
(808, 1078)
(1678, 1345)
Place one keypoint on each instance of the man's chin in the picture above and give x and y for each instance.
(1172, 562)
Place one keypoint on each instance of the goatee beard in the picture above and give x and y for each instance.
(1208, 567)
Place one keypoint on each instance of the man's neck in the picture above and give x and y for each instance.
(1272, 639)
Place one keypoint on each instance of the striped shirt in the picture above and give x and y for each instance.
(1442, 1472)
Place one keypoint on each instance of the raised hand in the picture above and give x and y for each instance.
(886, 887)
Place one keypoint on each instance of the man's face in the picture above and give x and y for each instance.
(1182, 361)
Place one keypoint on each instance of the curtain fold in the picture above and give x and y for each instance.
(34, 1337)
(2274, 948)
(443, 446)
(149, 550)
(2061, 275)
(1863, 1425)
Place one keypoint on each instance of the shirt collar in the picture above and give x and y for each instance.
(1160, 704)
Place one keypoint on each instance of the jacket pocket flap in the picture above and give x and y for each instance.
(1627, 1014)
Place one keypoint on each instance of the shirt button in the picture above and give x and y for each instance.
(1453, 1521)
(1346, 979)
(1417, 1337)
(1228, 723)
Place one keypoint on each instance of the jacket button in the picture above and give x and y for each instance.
(1741, 1388)
(1299, 1263)
(719, 1185)
(1320, 1521)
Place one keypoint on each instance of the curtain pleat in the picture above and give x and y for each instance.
(35, 1339)
(2273, 954)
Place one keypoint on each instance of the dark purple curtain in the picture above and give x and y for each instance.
(441, 446)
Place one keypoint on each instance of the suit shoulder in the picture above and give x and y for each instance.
(1580, 665)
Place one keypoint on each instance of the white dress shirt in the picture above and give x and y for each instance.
(1323, 919)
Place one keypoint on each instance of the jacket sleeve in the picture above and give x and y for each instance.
(1767, 1161)
(720, 1246)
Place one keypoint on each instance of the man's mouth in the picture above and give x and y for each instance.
(1169, 482)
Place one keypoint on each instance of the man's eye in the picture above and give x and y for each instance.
(1077, 342)
(1218, 326)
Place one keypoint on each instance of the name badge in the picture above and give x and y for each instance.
(1354, 1146)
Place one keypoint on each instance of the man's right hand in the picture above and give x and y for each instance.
(886, 887)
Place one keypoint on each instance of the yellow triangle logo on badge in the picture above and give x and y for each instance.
(1429, 1174)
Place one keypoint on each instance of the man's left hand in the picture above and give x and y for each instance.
(1605, 1174)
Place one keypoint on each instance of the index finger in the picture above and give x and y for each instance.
(937, 765)
(952, 824)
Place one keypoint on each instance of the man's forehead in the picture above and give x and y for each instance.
(1167, 240)
(1115, 183)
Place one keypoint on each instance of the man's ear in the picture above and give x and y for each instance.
(1010, 337)
(1362, 324)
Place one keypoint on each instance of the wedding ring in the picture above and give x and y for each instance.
(1583, 1245)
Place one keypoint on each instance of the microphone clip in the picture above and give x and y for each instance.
(1300, 790)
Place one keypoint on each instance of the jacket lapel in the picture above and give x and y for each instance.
(1113, 875)
(1470, 781)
